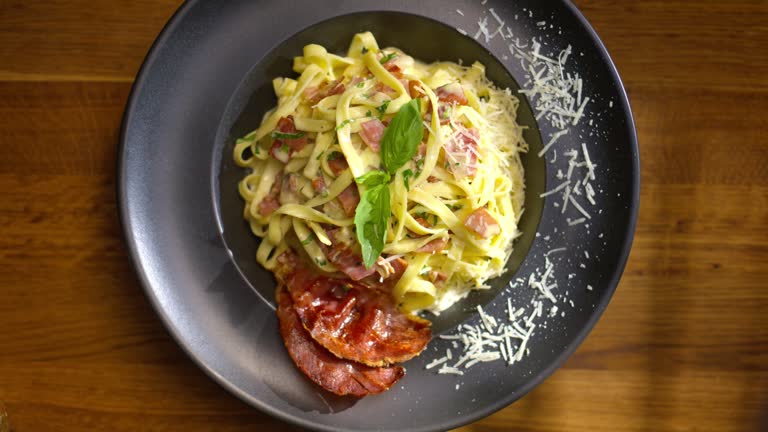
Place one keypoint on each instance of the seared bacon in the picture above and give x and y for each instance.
(452, 93)
(482, 222)
(349, 319)
(414, 89)
(371, 132)
(339, 376)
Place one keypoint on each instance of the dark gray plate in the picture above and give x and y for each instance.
(207, 80)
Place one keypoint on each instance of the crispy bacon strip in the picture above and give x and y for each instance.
(342, 377)
(351, 320)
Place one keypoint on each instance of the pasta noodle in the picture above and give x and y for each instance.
(454, 207)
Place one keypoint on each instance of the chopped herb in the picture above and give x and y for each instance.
(364, 50)
(407, 174)
(419, 166)
(320, 155)
(360, 84)
(387, 58)
(307, 240)
(321, 262)
(368, 113)
(382, 109)
(288, 136)
(324, 193)
(284, 148)
(256, 149)
(434, 218)
(344, 123)
(335, 155)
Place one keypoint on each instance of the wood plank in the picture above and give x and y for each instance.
(78, 40)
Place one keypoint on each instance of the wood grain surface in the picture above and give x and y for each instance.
(682, 347)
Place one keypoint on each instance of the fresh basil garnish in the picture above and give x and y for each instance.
(401, 139)
(373, 179)
(371, 220)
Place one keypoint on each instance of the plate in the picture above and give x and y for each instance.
(207, 81)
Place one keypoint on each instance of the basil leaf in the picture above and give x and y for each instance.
(284, 135)
(371, 219)
(401, 139)
(373, 179)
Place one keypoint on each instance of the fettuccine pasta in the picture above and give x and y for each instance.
(453, 207)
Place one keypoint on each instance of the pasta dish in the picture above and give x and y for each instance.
(380, 186)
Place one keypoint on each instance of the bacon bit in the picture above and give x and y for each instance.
(280, 151)
(371, 132)
(414, 89)
(316, 94)
(422, 150)
(433, 179)
(311, 93)
(437, 277)
(349, 199)
(338, 165)
(318, 184)
(289, 190)
(423, 222)
(452, 93)
(435, 245)
(269, 204)
(382, 88)
(481, 222)
(286, 125)
(345, 257)
(461, 152)
(392, 67)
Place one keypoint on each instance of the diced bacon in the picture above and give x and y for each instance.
(414, 89)
(388, 273)
(336, 87)
(269, 204)
(422, 150)
(392, 67)
(280, 151)
(349, 198)
(382, 88)
(452, 93)
(423, 222)
(286, 125)
(461, 152)
(311, 93)
(437, 277)
(318, 184)
(315, 94)
(433, 179)
(481, 222)
(289, 190)
(371, 132)
(345, 254)
(338, 165)
(435, 245)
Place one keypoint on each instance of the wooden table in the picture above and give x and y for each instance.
(683, 346)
